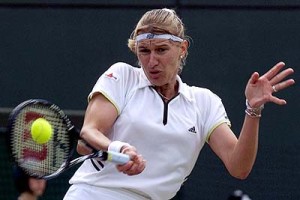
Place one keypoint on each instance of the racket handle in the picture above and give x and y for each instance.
(118, 158)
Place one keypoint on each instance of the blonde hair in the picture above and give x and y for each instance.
(159, 21)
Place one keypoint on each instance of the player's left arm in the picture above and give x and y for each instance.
(239, 154)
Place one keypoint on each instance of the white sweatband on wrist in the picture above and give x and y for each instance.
(116, 146)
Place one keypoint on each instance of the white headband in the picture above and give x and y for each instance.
(161, 36)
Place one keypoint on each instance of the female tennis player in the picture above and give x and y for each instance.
(161, 122)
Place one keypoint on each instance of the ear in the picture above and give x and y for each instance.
(184, 47)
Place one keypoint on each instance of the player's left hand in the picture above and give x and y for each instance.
(137, 163)
(260, 89)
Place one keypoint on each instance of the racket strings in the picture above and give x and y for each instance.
(40, 159)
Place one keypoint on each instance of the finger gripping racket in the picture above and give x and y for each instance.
(50, 159)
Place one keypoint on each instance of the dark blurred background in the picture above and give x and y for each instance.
(57, 49)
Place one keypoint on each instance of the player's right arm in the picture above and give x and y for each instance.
(100, 116)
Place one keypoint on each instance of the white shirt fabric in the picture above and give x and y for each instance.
(168, 135)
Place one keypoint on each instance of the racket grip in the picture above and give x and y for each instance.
(118, 158)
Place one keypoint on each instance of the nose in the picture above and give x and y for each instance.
(153, 61)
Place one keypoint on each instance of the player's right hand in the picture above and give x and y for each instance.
(136, 164)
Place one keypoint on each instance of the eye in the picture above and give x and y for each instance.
(143, 50)
(161, 50)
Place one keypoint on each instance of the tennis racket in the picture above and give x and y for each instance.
(57, 155)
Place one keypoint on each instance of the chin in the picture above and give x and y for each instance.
(39, 193)
(156, 82)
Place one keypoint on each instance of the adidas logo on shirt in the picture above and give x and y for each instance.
(193, 129)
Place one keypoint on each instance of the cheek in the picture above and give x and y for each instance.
(173, 56)
(142, 61)
(172, 62)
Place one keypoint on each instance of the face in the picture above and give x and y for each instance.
(37, 186)
(160, 60)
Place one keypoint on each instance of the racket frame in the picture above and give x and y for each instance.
(73, 136)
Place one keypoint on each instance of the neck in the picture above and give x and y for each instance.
(167, 92)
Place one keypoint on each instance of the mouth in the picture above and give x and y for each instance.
(155, 74)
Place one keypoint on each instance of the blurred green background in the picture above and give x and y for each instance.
(56, 50)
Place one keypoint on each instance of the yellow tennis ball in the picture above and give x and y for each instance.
(41, 131)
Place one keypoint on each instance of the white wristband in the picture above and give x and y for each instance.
(116, 146)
